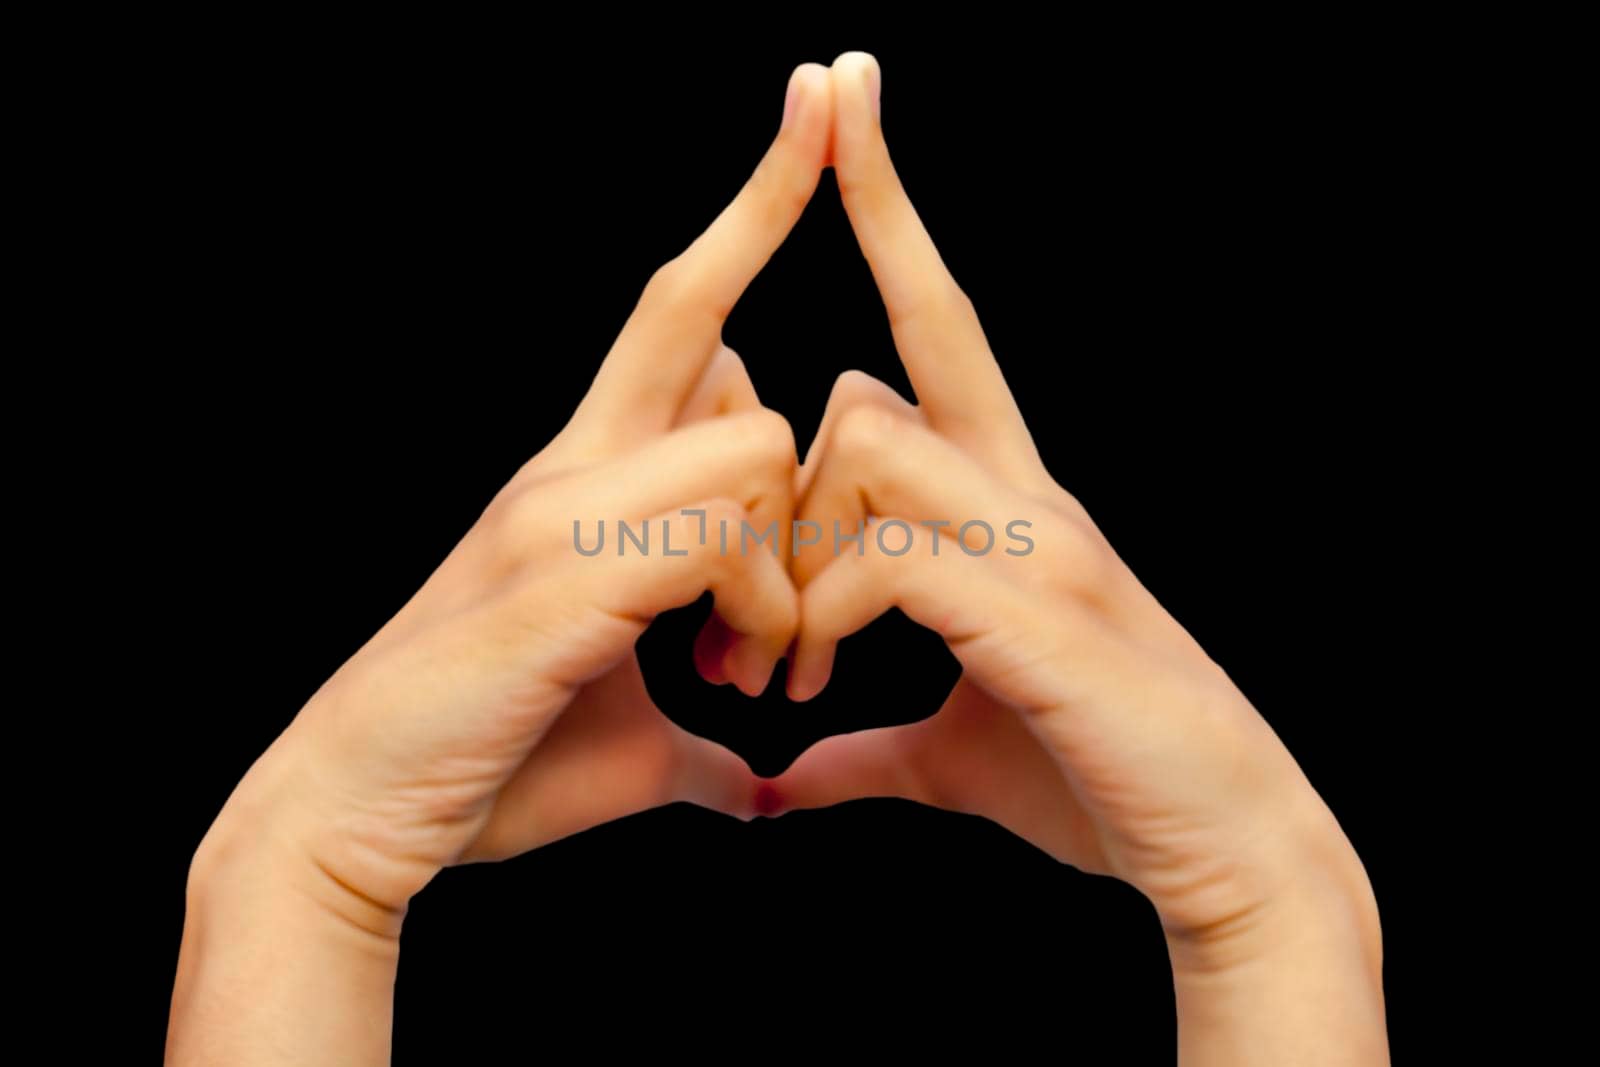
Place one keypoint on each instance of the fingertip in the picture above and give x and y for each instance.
(859, 77)
(856, 60)
(807, 95)
(750, 666)
(758, 679)
(815, 74)
(855, 78)
(808, 673)
(711, 647)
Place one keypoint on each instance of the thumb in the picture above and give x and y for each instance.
(870, 763)
(713, 776)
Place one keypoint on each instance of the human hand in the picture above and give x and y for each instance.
(503, 706)
(1087, 720)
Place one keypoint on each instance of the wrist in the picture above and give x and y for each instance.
(244, 867)
(279, 962)
(1295, 976)
(274, 847)
(1303, 883)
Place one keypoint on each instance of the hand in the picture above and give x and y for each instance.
(1086, 720)
(503, 706)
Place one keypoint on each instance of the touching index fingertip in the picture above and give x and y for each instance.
(802, 94)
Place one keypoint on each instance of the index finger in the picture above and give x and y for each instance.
(936, 329)
(677, 325)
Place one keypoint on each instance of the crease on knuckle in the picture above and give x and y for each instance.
(865, 431)
(864, 184)
(929, 306)
(518, 525)
(1083, 558)
(667, 284)
(779, 192)
(722, 513)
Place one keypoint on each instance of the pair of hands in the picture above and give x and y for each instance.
(503, 706)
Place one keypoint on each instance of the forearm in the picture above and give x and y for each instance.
(279, 964)
(1300, 981)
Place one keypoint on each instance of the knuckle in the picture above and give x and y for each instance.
(721, 531)
(510, 513)
(780, 193)
(787, 205)
(769, 437)
(941, 302)
(865, 430)
(667, 284)
(861, 185)
(850, 388)
(724, 507)
(724, 510)
(953, 300)
(516, 527)
(1083, 557)
(883, 557)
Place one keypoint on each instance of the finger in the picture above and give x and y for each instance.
(677, 325)
(987, 619)
(869, 763)
(971, 757)
(610, 754)
(935, 326)
(724, 389)
(852, 389)
(1102, 702)
(712, 646)
(879, 463)
(712, 776)
(752, 590)
(747, 456)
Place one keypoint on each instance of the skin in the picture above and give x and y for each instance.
(503, 708)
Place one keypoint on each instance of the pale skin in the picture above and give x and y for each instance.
(503, 707)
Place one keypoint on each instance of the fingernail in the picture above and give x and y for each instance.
(875, 90)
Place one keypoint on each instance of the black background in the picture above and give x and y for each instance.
(376, 276)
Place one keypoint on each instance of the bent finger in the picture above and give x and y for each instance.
(724, 389)
(852, 389)
(752, 590)
(878, 463)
